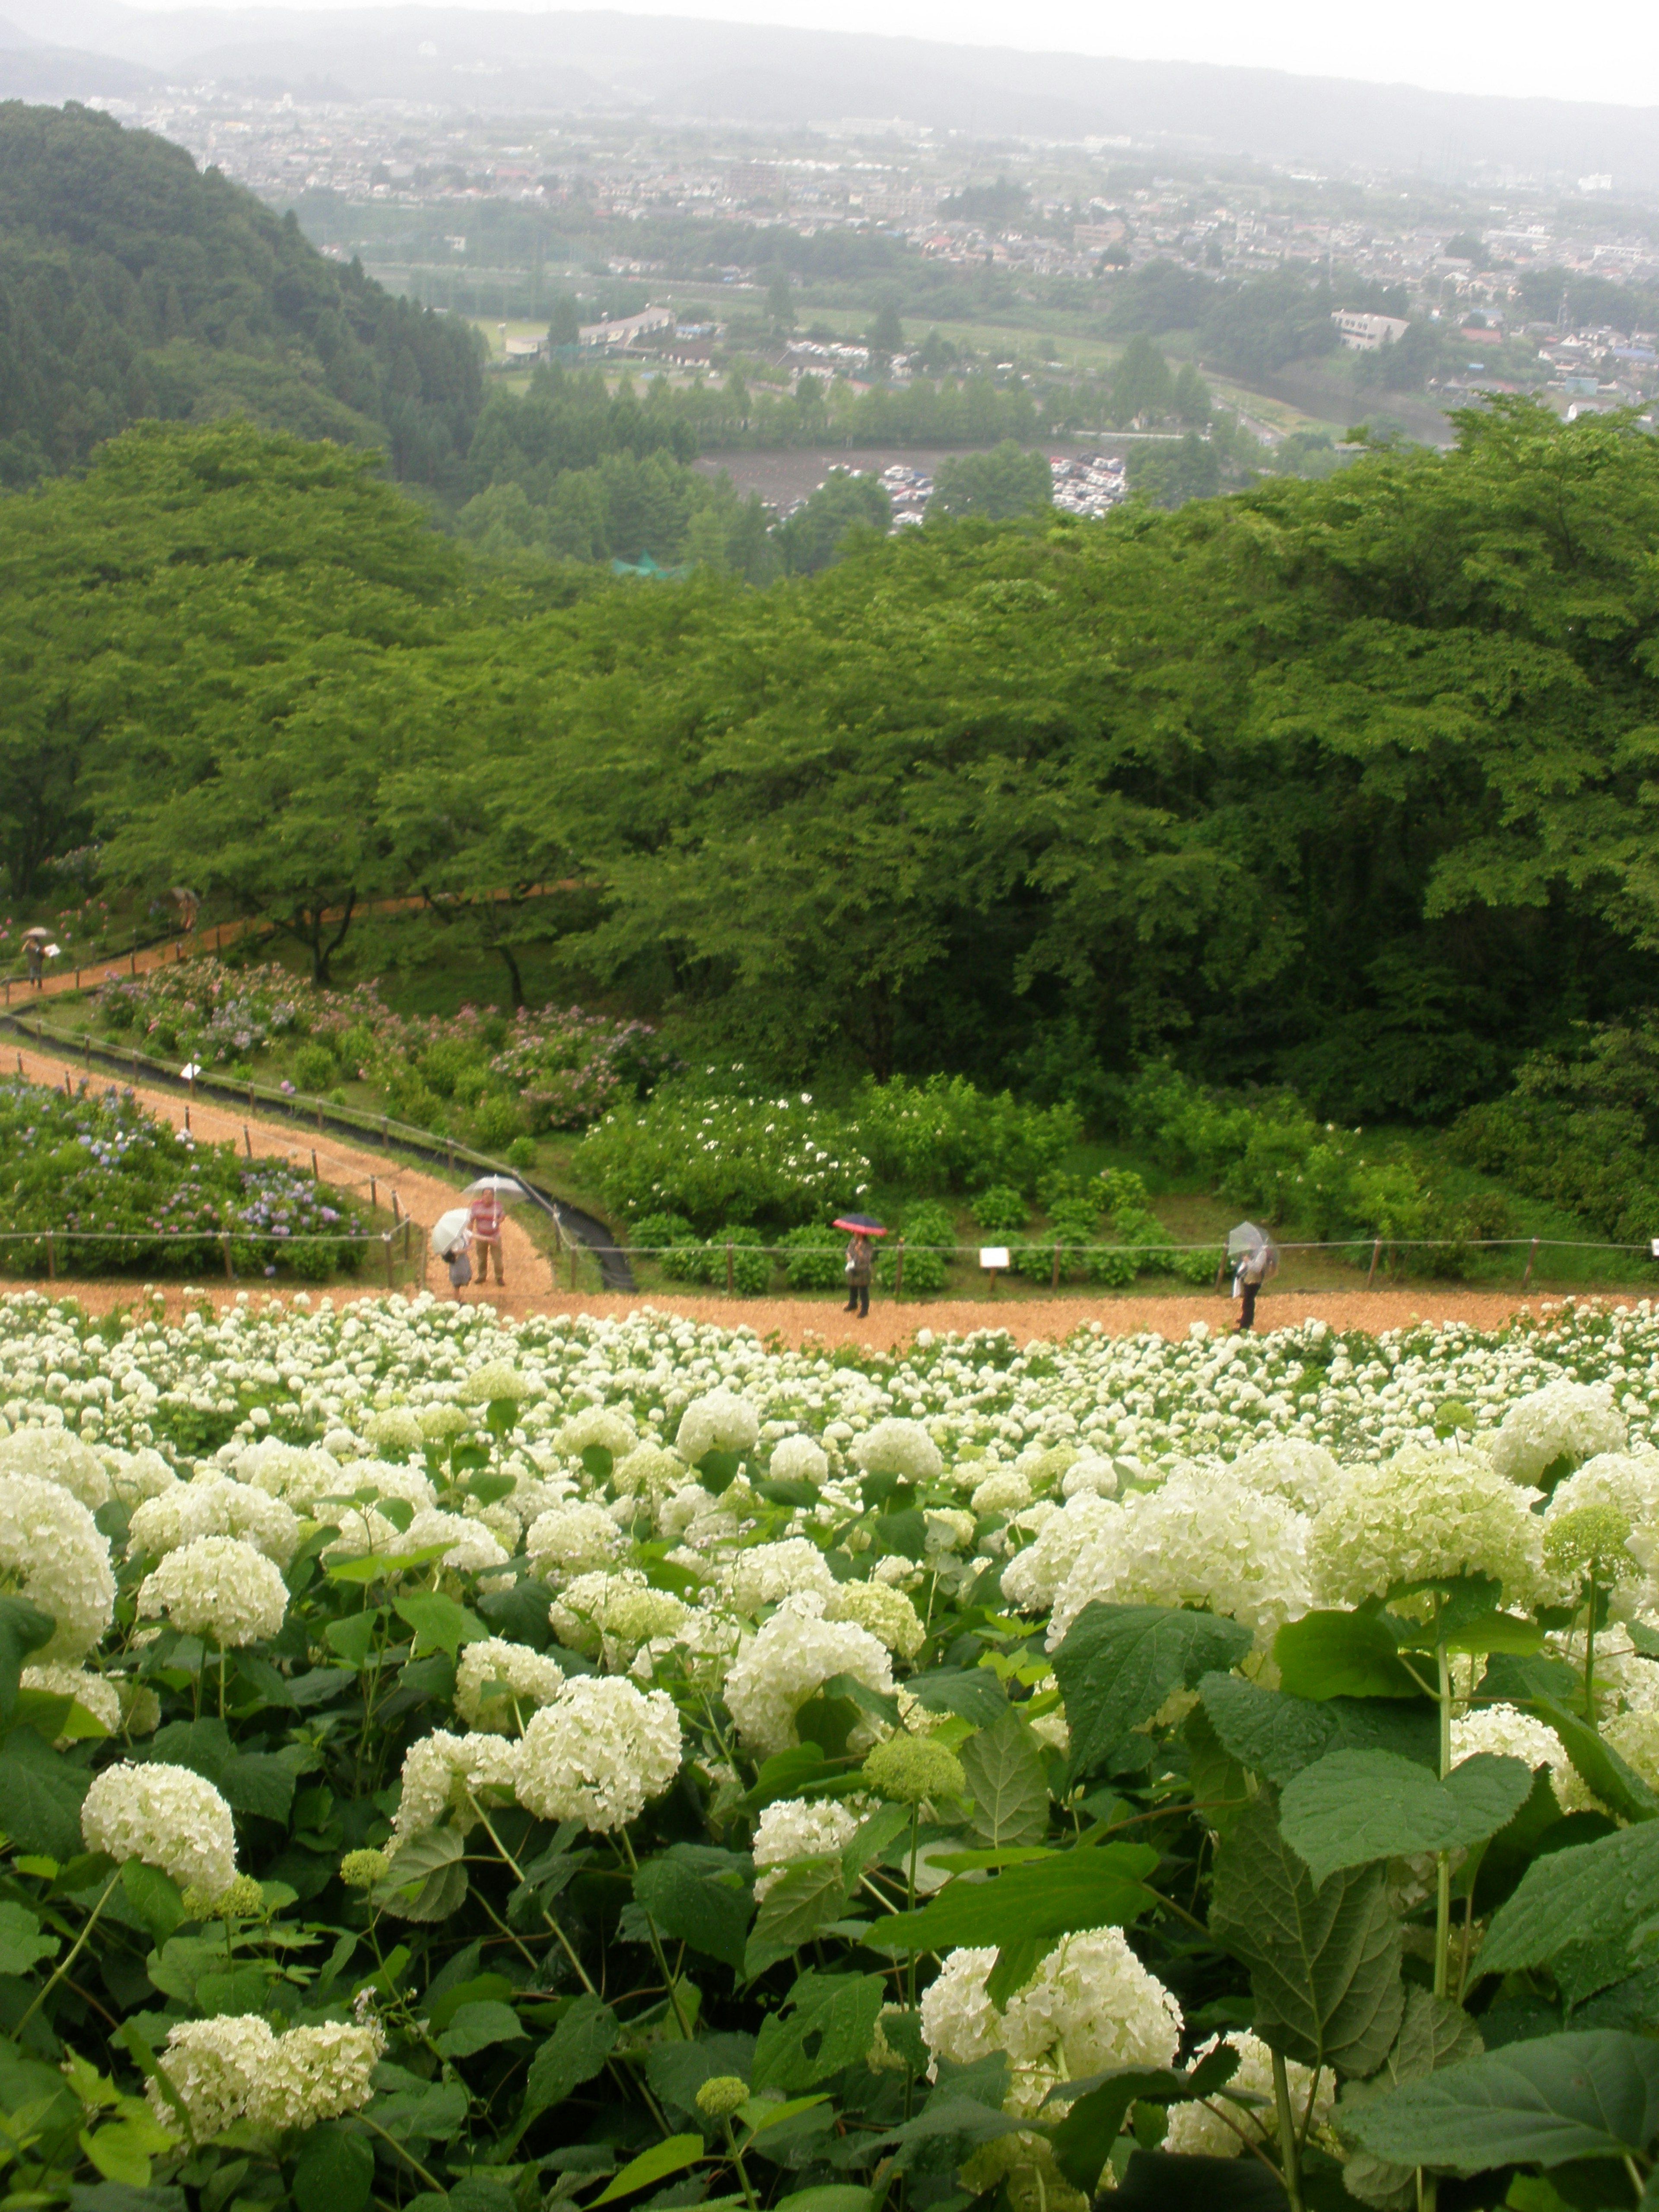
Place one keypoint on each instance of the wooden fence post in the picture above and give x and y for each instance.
(1054, 1280)
(898, 1271)
(385, 1240)
(728, 1267)
(247, 1140)
(52, 1258)
(230, 1272)
(373, 1195)
(1531, 1256)
(1371, 1273)
(315, 1177)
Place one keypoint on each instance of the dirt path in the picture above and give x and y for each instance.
(368, 1175)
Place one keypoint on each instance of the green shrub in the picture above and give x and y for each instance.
(1059, 1192)
(924, 1227)
(497, 1121)
(1000, 1211)
(817, 1257)
(521, 1153)
(751, 1268)
(947, 1134)
(314, 1067)
(653, 1229)
(443, 1063)
(780, 1160)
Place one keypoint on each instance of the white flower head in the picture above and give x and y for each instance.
(499, 1684)
(212, 1505)
(217, 1587)
(447, 1773)
(795, 1654)
(570, 1539)
(53, 1553)
(1574, 1421)
(718, 1421)
(1427, 1511)
(599, 1752)
(898, 1447)
(765, 1574)
(887, 1613)
(792, 1828)
(607, 1426)
(798, 1459)
(166, 1816)
(54, 1456)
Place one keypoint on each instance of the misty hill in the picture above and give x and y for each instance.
(588, 60)
(132, 285)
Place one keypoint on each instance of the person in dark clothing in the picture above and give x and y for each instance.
(1253, 1271)
(860, 1267)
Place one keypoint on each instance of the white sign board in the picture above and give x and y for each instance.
(994, 1256)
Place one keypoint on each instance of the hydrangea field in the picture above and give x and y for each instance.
(568, 1764)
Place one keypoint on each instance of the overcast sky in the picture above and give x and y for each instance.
(1519, 47)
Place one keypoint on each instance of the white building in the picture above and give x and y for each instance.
(1365, 333)
(626, 330)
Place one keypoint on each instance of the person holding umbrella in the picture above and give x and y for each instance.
(484, 1220)
(1254, 1258)
(34, 951)
(860, 1259)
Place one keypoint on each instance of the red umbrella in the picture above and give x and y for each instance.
(859, 1224)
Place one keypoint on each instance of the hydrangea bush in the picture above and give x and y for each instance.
(125, 1193)
(449, 1764)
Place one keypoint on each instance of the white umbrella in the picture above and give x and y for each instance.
(448, 1230)
(1245, 1240)
(508, 1185)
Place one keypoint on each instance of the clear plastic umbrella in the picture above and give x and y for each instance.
(1245, 1239)
(504, 1186)
(448, 1230)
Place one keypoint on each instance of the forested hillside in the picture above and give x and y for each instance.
(133, 286)
(1345, 782)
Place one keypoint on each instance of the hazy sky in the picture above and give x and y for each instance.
(1523, 48)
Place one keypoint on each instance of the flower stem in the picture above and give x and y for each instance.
(669, 1982)
(63, 1966)
(1289, 2156)
(1589, 1650)
(1442, 1859)
(736, 2160)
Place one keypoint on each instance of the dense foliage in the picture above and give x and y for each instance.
(121, 1192)
(454, 1763)
(1339, 783)
(133, 286)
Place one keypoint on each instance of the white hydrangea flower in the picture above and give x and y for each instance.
(1288, 1467)
(1091, 2005)
(798, 1459)
(650, 1473)
(885, 1612)
(386, 1477)
(498, 1684)
(959, 2023)
(898, 1447)
(949, 1529)
(215, 2066)
(1032, 1579)
(136, 1476)
(1006, 1490)
(1628, 1481)
(765, 1574)
(93, 1694)
(1428, 1510)
(314, 2074)
(599, 1752)
(1507, 1731)
(52, 1552)
(607, 1426)
(792, 1656)
(217, 1587)
(395, 1429)
(1090, 1473)
(299, 1474)
(1196, 2131)
(497, 1379)
(471, 1545)
(1201, 1540)
(212, 1505)
(442, 1771)
(54, 1456)
(1563, 1420)
(792, 1828)
(718, 1421)
(166, 1816)
(571, 1538)
(616, 1612)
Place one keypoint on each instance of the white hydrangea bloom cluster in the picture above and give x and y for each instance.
(1006, 1490)
(93, 1694)
(53, 1455)
(217, 1587)
(444, 1773)
(1090, 1473)
(52, 1552)
(1197, 1540)
(166, 1816)
(136, 1476)
(1091, 2005)
(766, 1574)
(1628, 1481)
(1197, 2131)
(792, 1828)
(599, 1752)
(650, 1473)
(470, 1545)
(493, 1381)
(799, 1459)
(235, 2067)
(1288, 1467)
(718, 1421)
(1426, 1512)
(1563, 1420)
(212, 1505)
(607, 1426)
(898, 1447)
(1507, 1731)
(498, 1684)
(959, 2023)
(887, 1613)
(1032, 1579)
(394, 1429)
(299, 1474)
(570, 1539)
(616, 1614)
(795, 1654)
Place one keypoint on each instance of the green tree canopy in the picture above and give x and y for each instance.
(997, 485)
